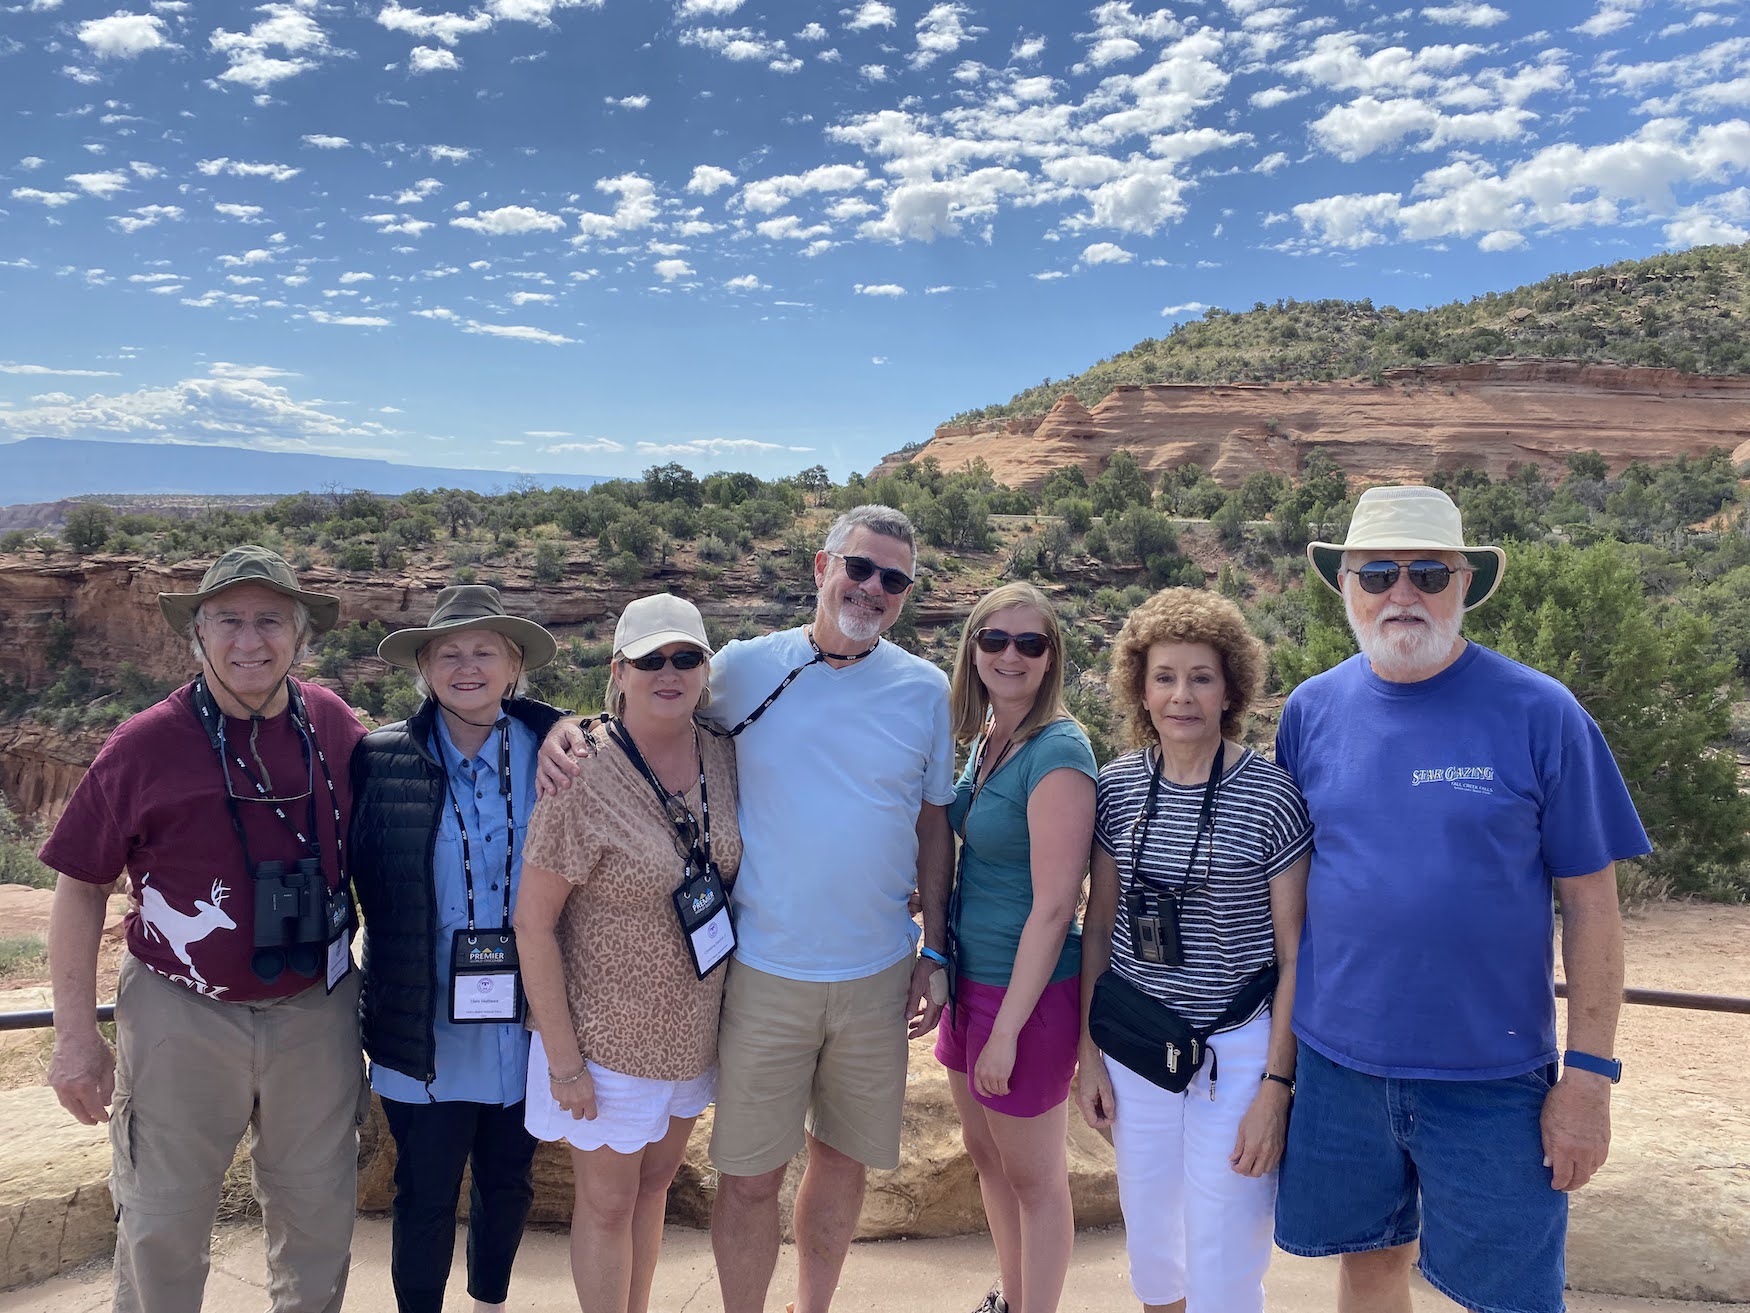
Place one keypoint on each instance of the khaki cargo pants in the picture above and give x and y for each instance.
(192, 1075)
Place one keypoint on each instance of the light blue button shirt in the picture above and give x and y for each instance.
(475, 1063)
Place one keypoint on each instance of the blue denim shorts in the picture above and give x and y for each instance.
(1375, 1161)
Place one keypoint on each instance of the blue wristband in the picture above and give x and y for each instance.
(924, 950)
(1579, 1061)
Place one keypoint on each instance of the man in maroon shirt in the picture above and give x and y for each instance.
(231, 793)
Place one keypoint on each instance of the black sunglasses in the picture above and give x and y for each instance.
(688, 658)
(995, 641)
(1427, 576)
(859, 568)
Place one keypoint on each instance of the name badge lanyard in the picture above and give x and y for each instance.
(694, 834)
(978, 784)
(1205, 823)
(818, 657)
(486, 985)
(213, 721)
(701, 904)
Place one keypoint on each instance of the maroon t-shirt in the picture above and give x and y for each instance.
(153, 804)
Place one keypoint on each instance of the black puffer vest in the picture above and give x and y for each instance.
(397, 804)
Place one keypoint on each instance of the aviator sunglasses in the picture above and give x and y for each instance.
(1426, 576)
(688, 658)
(993, 642)
(859, 568)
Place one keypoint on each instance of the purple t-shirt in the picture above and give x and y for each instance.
(1441, 811)
(153, 804)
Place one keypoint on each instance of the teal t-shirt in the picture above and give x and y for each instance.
(995, 892)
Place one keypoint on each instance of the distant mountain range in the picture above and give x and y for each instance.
(50, 469)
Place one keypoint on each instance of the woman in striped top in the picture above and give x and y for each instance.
(1195, 831)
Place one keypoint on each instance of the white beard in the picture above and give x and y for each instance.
(859, 625)
(1405, 653)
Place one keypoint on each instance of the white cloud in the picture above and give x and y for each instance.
(1270, 97)
(245, 169)
(510, 220)
(597, 445)
(715, 447)
(221, 410)
(873, 72)
(7, 367)
(289, 28)
(879, 289)
(812, 32)
(628, 102)
(745, 283)
(30, 163)
(517, 333)
(348, 321)
(1365, 125)
(324, 141)
(1028, 49)
(1106, 253)
(637, 208)
(1611, 16)
(447, 28)
(769, 194)
(1184, 308)
(713, 8)
(225, 369)
(1271, 163)
(145, 216)
(53, 199)
(357, 276)
(942, 31)
(1501, 240)
(432, 59)
(1468, 14)
(739, 44)
(708, 179)
(102, 185)
(537, 298)
(124, 36)
(670, 270)
(449, 154)
(871, 13)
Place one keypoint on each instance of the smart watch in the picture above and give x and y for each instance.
(1609, 1067)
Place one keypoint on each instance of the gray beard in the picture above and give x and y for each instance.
(859, 628)
(1401, 656)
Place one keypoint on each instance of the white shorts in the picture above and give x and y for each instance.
(631, 1112)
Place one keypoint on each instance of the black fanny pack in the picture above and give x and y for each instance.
(1156, 1042)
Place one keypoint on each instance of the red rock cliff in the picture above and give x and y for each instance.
(1494, 415)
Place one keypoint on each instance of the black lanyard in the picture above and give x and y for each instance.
(695, 838)
(1205, 821)
(978, 768)
(504, 787)
(212, 720)
(819, 656)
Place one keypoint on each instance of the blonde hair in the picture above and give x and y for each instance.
(511, 650)
(968, 701)
(1184, 615)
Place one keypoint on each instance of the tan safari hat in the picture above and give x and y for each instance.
(1410, 518)
(248, 565)
(470, 606)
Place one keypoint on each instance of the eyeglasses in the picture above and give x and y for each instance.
(688, 658)
(859, 568)
(994, 642)
(1427, 576)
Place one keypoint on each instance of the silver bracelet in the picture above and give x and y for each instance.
(567, 1080)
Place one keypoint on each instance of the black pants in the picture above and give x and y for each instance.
(433, 1142)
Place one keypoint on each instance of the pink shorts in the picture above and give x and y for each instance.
(1045, 1054)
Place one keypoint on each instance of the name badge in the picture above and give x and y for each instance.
(339, 937)
(486, 983)
(702, 906)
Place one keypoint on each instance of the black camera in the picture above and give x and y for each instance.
(291, 918)
(1154, 928)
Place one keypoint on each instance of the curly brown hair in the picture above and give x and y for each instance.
(1184, 615)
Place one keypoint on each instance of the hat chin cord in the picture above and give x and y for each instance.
(509, 692)
(257, 714)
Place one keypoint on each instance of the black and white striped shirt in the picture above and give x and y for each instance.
(1261, 829)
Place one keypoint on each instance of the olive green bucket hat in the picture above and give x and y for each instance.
(470, 606)
(249, 565)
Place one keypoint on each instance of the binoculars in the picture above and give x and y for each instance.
(291, 918)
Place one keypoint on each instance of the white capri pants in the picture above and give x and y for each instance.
(1195, 1229)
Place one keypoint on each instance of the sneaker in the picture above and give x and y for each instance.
(993, 1302)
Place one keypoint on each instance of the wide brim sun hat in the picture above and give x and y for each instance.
(1410, 518)
(249, 565)
(651, 622)
(470, 606)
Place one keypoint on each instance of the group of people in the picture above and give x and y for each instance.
(1311, 999)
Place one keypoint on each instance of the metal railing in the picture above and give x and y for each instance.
(1650, 998)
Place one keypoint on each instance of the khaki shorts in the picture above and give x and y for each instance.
(830, 1055)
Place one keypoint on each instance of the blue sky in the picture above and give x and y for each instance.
(591, 237)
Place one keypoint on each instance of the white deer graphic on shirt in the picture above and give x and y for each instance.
(180, 929)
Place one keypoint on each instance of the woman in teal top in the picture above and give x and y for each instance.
(1024, 811)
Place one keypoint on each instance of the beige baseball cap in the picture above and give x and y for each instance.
(650, 622)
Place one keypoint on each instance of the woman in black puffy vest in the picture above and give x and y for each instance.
(441, 803)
